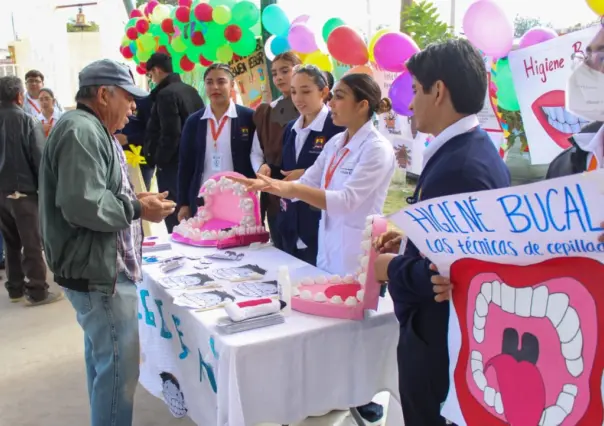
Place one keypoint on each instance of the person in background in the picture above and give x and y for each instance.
(303, 142)
(173, 102)
(21, 141)
(49, 113)
(2, 264)
(34, 82)
(460, 159)
(134, 134)
(91, 226)
(348, 182)
(270, 120)
(214, 139)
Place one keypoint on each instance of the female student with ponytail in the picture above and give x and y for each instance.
(303, 142)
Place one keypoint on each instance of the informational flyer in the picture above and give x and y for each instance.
(252, 77)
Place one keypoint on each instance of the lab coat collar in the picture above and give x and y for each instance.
(359, 138)
(276, 101)
(231, 112)
(317, 124)
(459, 127)
(590, 142)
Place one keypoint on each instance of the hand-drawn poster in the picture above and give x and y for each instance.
(252, 77)
(540, 75)
(528, 301)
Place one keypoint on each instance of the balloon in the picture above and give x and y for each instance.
(331, 25)
(537, 35)
(302, 19)
(279, 45)
(267, 48)
(197, 38)
(275, 20)
(339, 69)
(147, 41)
(133, 47)
(401, 94)
(186, 3)
(233, 33)
(215, 36)
(178, 44)
(597, 6)
(245, 14)
(361, 69)
(224, 54)
(141, 70)
(126, 52)
(203, 12)
(486, 25)
(374, 40)
(209, 52)
(160, 13)
(392, 50)
(151, 6)
(301, 39)
(227, 3)
(506, 94)
(131, 33)
(320, 60)
(204, 62)
(143, 55)
(136, 14)
(186, 64)
(347, 46)
(246, 44)
(142, 26)
(182, 14)
(167, 26)
(221, 15)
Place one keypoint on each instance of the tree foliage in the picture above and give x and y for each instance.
(523, 23)
(92, 27)
(172, 2)
(422, 22)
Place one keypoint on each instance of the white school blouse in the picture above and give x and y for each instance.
(223, 144)
(357, 189)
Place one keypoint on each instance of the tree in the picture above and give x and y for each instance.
(171, 2)
(92, 27)
(522, 24)
(422, 22)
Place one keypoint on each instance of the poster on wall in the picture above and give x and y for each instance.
(540, 75)
(252, 78)
(527, 304)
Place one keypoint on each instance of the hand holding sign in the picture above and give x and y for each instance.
(442, 286)
(389, 242)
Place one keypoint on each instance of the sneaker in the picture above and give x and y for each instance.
(16, 298)
(371, 412)
(50, 298)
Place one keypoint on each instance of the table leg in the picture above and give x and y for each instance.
(357, 417)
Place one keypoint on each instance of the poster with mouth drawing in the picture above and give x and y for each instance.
(527, 310)
(540, 74)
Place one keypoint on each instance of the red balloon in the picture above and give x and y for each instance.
(162, 49)
(233, 33)
(186, 64)
(136, 14)
(142, 26)
(151, 5)
(347, 46)
(182, 14)
(167, 26)
(186, 3)
(203, 12)
(203, 61)
(126, 52)
(132, 33)
(141, 70)
(197, 38)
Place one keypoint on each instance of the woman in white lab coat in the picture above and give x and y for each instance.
(350, 178)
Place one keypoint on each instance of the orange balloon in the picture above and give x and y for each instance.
(361, 69)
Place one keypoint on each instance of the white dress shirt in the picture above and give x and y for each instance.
(56, 114)
(222, 151)
(357, 189)
(257, 155)
(31, 106)
(459, 127)
(593, 143)
(302, 133)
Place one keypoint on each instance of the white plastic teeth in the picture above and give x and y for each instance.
(351, 301)
(364, 262)
(361, 295)
(367, 233)
(366, 245)
(306, 295)
(239, 189)
(321, 280)
(369, 220)
(336, 300)
(307, 281)
(248, 221)
(207, 201)
(246, 204)
(225, 184)
(295, 291)
(335, 279)
(348, 279)
(320, 297)
(363, 279)
(210, 186)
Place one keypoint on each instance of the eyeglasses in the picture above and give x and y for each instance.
(594, 60)
(312, 69)
(34, 81)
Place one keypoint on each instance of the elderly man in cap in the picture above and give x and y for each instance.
(91, 227)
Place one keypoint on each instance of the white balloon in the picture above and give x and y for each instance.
(267, 48)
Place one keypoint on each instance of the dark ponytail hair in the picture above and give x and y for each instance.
(364, 88)
(321, 79)
(219, 66)
(331, 81)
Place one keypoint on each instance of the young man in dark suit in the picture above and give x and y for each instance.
(449, 82)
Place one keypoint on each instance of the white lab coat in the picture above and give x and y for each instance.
(357, 189)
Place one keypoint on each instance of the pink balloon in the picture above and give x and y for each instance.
(487, 27)
(302, 19)
(392, 50)
(537, 35)
(301, 39)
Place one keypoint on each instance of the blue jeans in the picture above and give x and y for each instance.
(112, 353)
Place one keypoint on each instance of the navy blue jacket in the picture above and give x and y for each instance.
(137, 124)
(298, 219)
(466, 163)
(193, 151)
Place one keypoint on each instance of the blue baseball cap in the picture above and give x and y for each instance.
(107, 72)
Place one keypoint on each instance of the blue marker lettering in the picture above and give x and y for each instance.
(587, 214)
(550, 215)
(209, 372)
(569, 199)
(149, 316)
(185, 349)
(165, 332)
(513, 213)
(544, 210)
(478, 215)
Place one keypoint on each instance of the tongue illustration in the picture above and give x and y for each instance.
(522, 389)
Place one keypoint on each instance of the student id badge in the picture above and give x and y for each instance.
(216, 162)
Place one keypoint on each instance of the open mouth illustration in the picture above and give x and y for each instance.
(558, 123)
(530, 353)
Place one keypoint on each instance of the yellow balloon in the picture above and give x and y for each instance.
(301, 56)
(320, 60)
(374, 40)
(597, 6)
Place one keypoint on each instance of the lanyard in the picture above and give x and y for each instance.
(216, 133)
(333, 167)
(52, 120)
(34, 106)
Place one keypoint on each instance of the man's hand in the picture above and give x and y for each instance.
(184, 213)
(389, 242)
(292, 174)
(155, 207)
(146, 194)
(441, 285)
(601, 237)
(264, 170)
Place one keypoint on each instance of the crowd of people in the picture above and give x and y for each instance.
(315, 155)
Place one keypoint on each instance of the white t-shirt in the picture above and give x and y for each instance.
(219, 157)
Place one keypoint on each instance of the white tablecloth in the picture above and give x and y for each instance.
(279, 374)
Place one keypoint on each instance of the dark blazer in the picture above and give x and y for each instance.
(298, 219)
(193, 151)
(574, 159)
(136, 128)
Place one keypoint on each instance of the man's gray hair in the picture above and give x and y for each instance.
(10, 87)
(88, 93)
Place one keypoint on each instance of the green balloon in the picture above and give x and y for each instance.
(147, 41)
(229, 3)
(245, 14)
(178, 44)
(257, 29)
(176, 62)
(193, 54)
(155, 30)
(209, 52)
(131, 22)
(143, 55)
(246, 45)
(215, 35)
(506, 94)
(331, 25)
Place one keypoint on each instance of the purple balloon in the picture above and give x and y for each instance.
(401, 94)
(301, 39)
(537, 35)
(302, 19)
(392, 50)
(487, 27)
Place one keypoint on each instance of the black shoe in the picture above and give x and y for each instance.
(2, 265)
(15, 296)
(371, 412)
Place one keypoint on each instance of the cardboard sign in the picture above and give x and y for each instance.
(252, 77)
